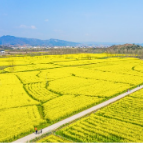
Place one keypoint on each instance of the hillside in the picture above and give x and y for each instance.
(12, 40)
(126, 46)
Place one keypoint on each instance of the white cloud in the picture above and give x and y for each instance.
(87, 34)
(33, 27)
(46, 20)
(27, 27)
(23, 26)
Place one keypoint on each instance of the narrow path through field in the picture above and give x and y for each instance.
(76, 116)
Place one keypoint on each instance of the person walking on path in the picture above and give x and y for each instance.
(36, 130)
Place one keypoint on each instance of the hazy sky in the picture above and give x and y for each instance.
(73, 20)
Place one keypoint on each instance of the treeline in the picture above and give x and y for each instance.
(75, 50)
(127, 50)
(55, 51)
(5, 48)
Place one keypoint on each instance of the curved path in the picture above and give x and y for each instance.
(76, 116)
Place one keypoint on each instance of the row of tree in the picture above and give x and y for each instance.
(115, 50)
(126, 50)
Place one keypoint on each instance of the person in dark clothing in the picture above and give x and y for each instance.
(36, 130)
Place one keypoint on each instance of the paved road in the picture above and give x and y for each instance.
(76, 116)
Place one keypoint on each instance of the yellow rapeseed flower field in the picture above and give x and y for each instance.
(40, 90)
(53, 138)
(65, 105)
(16, 121)
(12, 93)
(121, 121)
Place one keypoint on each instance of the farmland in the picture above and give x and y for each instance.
(121, 121)
(41, 90)
(53, 138)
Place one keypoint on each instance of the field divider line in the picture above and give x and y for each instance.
(76, 116)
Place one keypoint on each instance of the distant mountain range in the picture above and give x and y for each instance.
(18, 41)
(15, 41)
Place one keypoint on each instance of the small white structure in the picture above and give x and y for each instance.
(2, 52)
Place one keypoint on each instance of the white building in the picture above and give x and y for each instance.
(2, 52)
